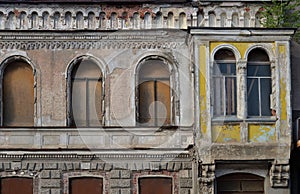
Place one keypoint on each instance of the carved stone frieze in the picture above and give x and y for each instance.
(279, 174)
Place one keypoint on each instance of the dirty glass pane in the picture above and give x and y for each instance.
(79, 102)
(86, 94)
(18, 95)
(253, 97)
(16, 185)
(258, 70)
(154, 69)
(155, 185)
(86, 185)
(163, 103)
(146, 103)
(95, 102)
(265, 96)
(230, 88)
(218, 96)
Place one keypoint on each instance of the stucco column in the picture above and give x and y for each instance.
(242, 89)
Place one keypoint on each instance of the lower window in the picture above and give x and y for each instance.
(157, 185)
(84, 185)
(16, 185)
(240, 183)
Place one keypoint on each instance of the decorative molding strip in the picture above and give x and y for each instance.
(279, 174)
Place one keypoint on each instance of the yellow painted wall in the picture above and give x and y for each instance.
(226, 133)
(261, 133)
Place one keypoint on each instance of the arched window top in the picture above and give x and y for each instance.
(224, 54)
(154, 68)
(86, 68)
(239, 176)
(258, 54)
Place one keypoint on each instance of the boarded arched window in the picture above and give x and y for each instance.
(11, 21)
(235, 20)
(154, 94)
(22, 20)
(102, 20)
(157, 185)
(240, 183)
(91, 20)
(200, 18)
(136, 20)
(113, 20)
(45, 20)
(84, 185)
(85, 94)
(170, 20)
(225, 90)
(16, 185)
(158, 20)
(18, 94)
(258, 83)
(56, 19)
(2, 23)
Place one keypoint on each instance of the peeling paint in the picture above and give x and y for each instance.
(226, 133)
(203, 119)
(262, 133)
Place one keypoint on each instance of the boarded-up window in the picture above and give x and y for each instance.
(86, 185)
(16, 185)
(86, 95)
(240, 183)
(258, 83)
(18, 95)
(224, 75)
(154, 105)
(157, 185)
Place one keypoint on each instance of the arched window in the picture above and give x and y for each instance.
(113, 20)
(258, 83)
(16, 185)
(240, 183)
(157, 185)
(85, 95)
(246, 19)
(18, 94)
(136, 20)
(223, 19)
(258, 20)
(91, 20)
(102, 20)
(154, 94)
(224, 75)
(147, 20)
(68, 20)
(2, 23)
(158, 20)
(45, 20)
(212, 19)
(22, 20)
(11, 21)
(170, 21)
(200, 18)
(235, 20)
(34, 20)
(83, 185)
(182, 21)
(79, 20)
(56, 20)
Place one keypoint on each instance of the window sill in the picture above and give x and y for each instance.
(230, 119)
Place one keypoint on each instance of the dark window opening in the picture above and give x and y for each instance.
(240, 183)
(157, 185)
(84, 185)
(16, 185)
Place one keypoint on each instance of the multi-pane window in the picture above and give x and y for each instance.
(16, 185)
(258, 83)
(84, 185)
(154, 94)
(157, 185)
(86, 95)
(224, 83)
(240, 183)
(18, 94)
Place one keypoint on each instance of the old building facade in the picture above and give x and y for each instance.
(138, 96)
